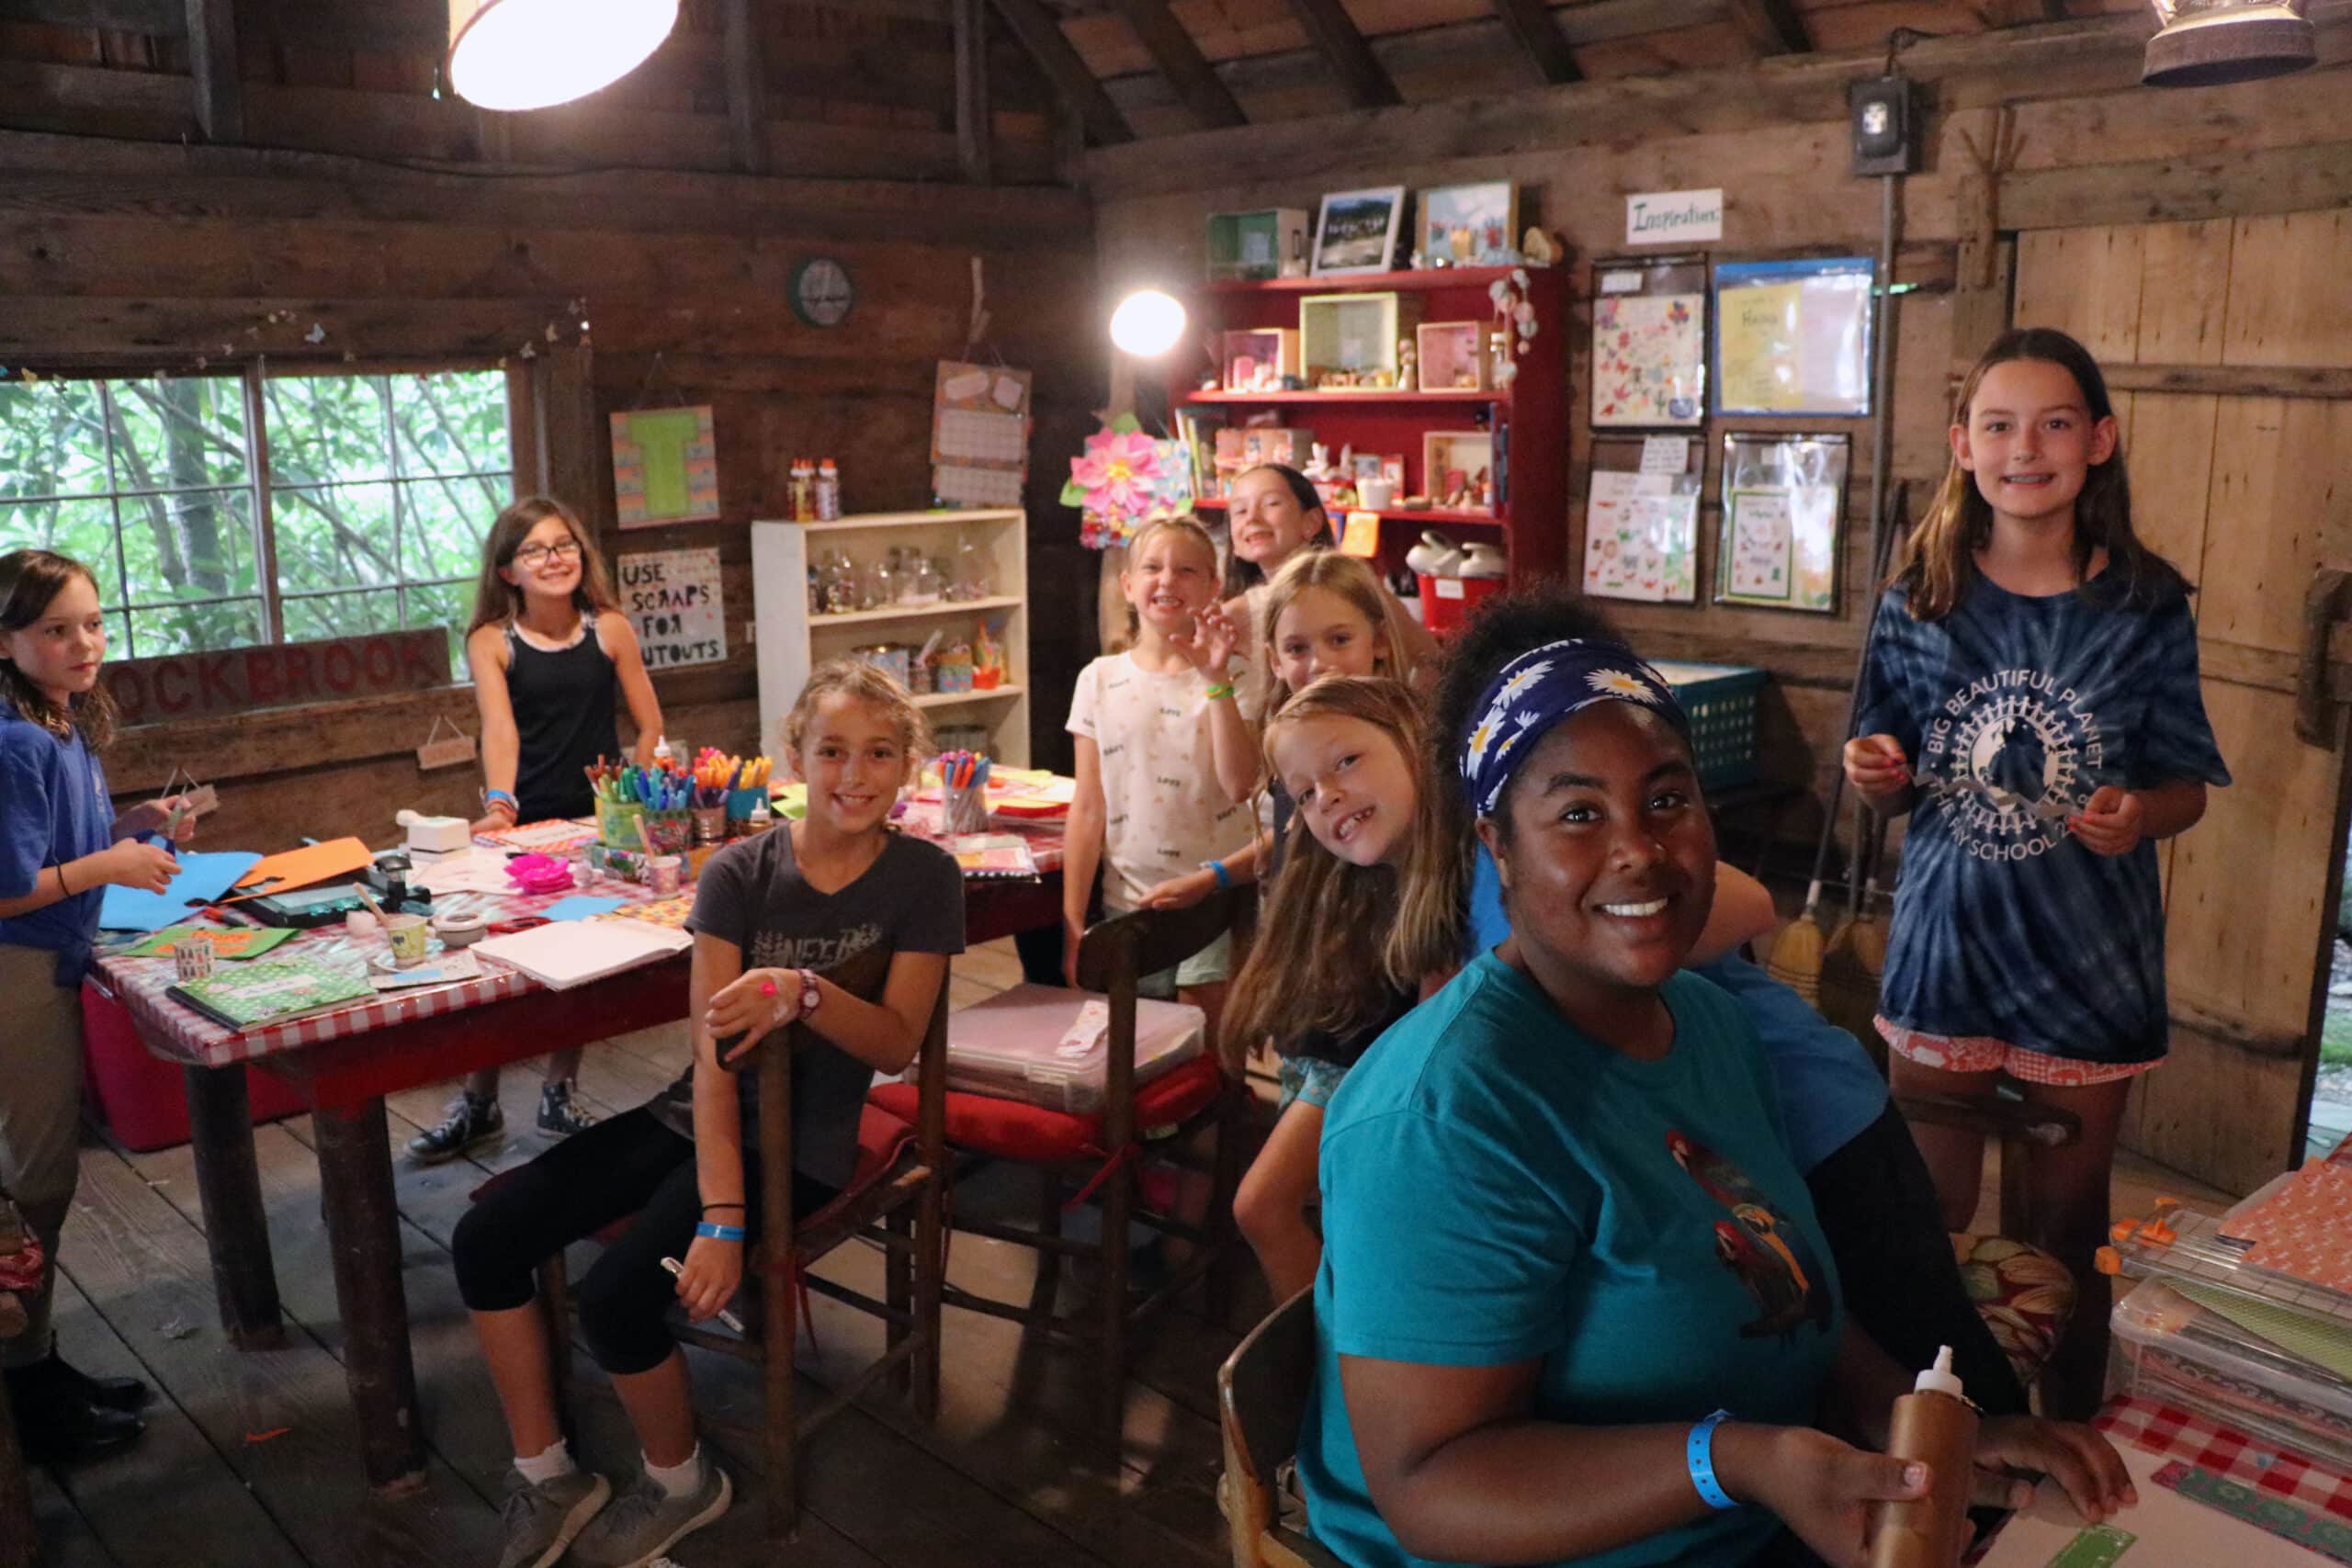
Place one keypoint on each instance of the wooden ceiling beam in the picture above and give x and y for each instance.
(1335, 36)
(213, 63)
(1530, 26)
(1772, 27)
(746, 108)
(158, 19)
(975, 130)
(1040, 33)
(2020, 13)
(1180, 60)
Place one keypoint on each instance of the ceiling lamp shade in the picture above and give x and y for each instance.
(527, 54)
(2207, 42)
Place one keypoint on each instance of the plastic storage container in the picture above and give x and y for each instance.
(1011, 1046)
(1446, 601)
(2198, 1360)
(1721, 700)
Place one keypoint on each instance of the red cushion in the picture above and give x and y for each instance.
(1009, 1129)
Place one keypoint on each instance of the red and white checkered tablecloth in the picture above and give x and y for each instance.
(2171, 1434)
(168, 1026)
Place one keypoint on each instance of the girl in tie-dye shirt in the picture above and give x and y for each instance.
(2031, 696)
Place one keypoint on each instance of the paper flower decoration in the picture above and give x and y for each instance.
(1123, 479)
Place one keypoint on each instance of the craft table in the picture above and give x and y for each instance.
(345, 1060)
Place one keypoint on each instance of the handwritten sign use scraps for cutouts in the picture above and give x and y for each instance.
(672, 597)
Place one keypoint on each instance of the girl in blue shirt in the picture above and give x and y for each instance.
(61, 845)
(1562, 1224)
(2031, 695)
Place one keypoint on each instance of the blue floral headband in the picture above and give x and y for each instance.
(1539, 689)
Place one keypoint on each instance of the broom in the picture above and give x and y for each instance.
(1850, 974)
(1870, 945)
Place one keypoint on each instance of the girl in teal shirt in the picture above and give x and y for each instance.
(1562, 1228)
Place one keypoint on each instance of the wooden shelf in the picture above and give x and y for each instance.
(914, 612)
(1430, 515)
(957, 699)
(1476, 277)
(1374, 395)
(946, 517)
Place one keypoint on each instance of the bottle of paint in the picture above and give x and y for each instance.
(800, 490)
(1936, 1425)
(829, 491)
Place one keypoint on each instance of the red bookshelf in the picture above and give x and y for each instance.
(1533, 514)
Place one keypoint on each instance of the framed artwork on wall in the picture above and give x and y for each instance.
(1649, 342)
(1356, 230)
(1470, 225)
(1793, 337)
(1783, 502)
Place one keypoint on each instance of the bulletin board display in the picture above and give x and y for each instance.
(1793, 337)
(1649, 342)
(1782, 521)
(1641, 518)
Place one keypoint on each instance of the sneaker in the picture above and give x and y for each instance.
(559, 1117)
(473, 1120)
(541, 1520)
(646, 1521)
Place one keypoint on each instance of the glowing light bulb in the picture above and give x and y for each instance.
(527, 54)
(1146, 323)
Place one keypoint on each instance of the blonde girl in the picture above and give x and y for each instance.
(2031, 693)
(772, 913)
(548, 647)
(1150, 813)
(1369, 905)
(61, 845)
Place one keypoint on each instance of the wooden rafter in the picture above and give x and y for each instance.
(1041, 34)
(746, 109)
(213, 64)
(975, 134)
(1773, 27)
(1334, 34)
(1180, 60)
(1539, 39)
(2020, 13)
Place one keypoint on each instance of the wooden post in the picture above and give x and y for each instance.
(1530, 25)
(746, 111)
(364, 1236)
(1180, 60)
(779, 1293)
(1118, 1192)
(228, 1185)
(975, 135)
(213, 63)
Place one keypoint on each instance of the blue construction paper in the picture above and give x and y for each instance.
(201, 879)
(579, 907)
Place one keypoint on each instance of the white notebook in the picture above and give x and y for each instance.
(572, 953)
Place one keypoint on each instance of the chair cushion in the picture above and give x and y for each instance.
(1010, 1129)
(2024, 1294)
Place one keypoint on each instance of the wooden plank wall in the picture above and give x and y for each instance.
(134, 256)
(2091, 146)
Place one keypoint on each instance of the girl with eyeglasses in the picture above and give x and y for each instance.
(549, 647)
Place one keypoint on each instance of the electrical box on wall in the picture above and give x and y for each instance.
(1884, 113)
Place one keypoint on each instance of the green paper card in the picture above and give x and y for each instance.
(231, 946)
(239, 999)
(2098, 1547)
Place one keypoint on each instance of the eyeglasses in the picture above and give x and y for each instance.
(536, 556)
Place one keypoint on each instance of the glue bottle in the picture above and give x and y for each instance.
(1936, 1425)
(828, 491)
(800, 490)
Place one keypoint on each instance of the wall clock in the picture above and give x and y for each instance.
(821, 292)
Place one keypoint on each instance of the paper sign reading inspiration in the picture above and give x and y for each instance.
(672, 597)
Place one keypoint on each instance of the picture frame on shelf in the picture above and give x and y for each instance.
(1474, 224)
(1257, 245)
(1356, 230)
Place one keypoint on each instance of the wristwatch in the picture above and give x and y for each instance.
(809, 995)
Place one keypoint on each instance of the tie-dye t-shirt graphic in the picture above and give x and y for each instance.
(2013, 712)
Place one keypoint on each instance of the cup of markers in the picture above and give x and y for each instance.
(963, 792)
(729, 785)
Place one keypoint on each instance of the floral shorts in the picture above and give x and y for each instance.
(1310, 1079)
(1979, 1053)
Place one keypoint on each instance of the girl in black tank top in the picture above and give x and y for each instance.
(550, 649)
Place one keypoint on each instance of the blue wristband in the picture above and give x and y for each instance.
(721, 1233)
(1701, 1451)
(1216, 868)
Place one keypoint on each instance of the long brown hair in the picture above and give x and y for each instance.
(497, 601)
(1939, 567)
(1240, 576)
(30, 582)
(1353, 581)
(1332, 925)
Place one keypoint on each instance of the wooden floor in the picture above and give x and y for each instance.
(252, 1460)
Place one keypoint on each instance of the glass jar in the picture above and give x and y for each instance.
(839, 580)
(874, 585)
(925, 584)
(975, 571)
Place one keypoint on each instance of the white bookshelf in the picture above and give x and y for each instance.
(790, 641)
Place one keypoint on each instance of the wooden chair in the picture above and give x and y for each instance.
(896, 1199)
(1260, 1399)
(1098, 1153)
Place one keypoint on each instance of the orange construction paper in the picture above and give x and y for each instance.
(302, 867)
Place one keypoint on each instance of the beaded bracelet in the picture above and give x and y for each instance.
(721, 1233)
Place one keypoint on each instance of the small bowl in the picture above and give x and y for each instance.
(459, 930)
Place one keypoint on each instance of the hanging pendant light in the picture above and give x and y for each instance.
(2207, 42)
(527, 54)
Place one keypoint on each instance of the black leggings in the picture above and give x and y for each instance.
(629, 1165)
(1877, 1206)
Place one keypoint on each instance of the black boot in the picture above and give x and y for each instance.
(106, 1393)
(58, 1424)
